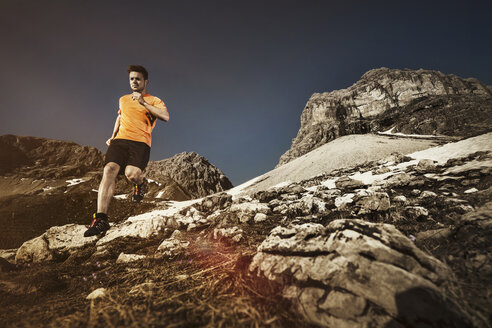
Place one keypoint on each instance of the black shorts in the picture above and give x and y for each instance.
(128, 152)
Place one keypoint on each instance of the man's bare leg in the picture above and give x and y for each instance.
(106, 187)
(134, 174)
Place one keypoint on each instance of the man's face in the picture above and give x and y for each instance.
(137, 82)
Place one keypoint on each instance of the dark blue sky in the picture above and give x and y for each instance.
(235, 75)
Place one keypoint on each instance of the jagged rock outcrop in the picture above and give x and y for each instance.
(192, 172)
(422, 101)
(353, 273)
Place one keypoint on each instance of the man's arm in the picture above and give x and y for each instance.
(115, 130)
(160, 113)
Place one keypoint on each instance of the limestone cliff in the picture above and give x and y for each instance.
(359, 108)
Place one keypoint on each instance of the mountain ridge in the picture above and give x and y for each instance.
(364, 107)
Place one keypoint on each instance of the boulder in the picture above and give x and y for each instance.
(8, 254)
(346, 183)
(373, 202)
(214, 202)
(354, 273)
(260, 217)
(425, 166)
(56, 242)
(98, 293)
(397, 180)
(127, 258)
(400, 199)
(416, 212)
(428, 194)
(233, 233)
(247, 211)
(172, 246)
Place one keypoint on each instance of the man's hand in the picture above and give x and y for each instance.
(108, 142)
(138, 96)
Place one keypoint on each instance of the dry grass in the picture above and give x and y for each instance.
(208, 286)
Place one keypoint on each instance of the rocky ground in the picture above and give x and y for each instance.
(402, 241)
(45, 182)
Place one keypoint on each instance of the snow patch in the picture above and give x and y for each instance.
(330, 183)
(156, 182)
(122, 196)
(312, 189)
(173, 209)
(345, 199)
(399, 134)
(159, 195)
(74, 182)
(462, 148)
(368, 178)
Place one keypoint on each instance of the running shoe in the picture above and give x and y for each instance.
(139, 191)
(98, 226)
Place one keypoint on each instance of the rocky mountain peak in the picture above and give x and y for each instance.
(44, 158)
(191, 171)
(412, 101)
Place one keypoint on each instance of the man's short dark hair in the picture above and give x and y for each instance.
(140, 69)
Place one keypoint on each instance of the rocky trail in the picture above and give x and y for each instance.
(399, 240)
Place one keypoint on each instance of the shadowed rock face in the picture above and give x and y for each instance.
(46, 158)
(192, 172)
(422, 101)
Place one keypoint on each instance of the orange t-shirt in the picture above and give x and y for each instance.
(136, 122)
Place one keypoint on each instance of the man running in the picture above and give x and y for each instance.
(129, 146)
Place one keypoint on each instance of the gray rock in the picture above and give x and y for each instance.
(378, 201)
(56, 241)
(346, 183)
(386, 93)
(8, 254)
(381, 170)
(215, 202)
(353, 273)
(172, 246)
(417, 212)
(233, 233)
(400, 199)
(260, 217)
(397, 180)
(428, 194)
(98, 293)
(192, 172)
(247, 211)
(127, 258)
(425, 166)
